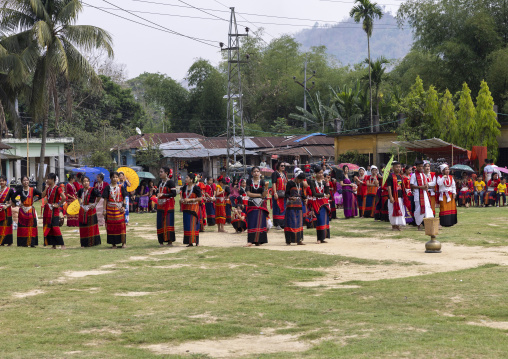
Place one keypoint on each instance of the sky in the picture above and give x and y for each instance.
(158, 49)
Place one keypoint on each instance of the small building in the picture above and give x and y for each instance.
(377, 145)
(53, 160)
(125, 153)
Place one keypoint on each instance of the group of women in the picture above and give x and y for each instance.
(296, 203)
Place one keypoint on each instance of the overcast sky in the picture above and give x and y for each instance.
(144, 49)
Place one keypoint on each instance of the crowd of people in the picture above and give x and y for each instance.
(407, 196)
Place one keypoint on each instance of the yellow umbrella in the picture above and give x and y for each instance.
(131, 176)
(73, 208)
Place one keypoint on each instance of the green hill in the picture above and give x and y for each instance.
(349, 45)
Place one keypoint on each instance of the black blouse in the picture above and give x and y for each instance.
(169, 189)
(105, 193)
(94, 194)
(196, 190)
(292, 188)
(22, 197)
(315, 193)
(250, 187)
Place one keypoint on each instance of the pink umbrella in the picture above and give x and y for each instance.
(504, 170)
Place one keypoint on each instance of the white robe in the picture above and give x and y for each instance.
(397, 220)
(419, 217)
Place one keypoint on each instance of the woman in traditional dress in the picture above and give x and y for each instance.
(447, 194)
(27, 218)
(372, 185)
(381, 212)
(431, 180)
(491, 194)
(406, 181)
(295, 195)
(220, 204)
(190, 202)
(350, 205)
(166, 207)
(320, 205)
(202, 207)
(7, 196)
(144, 197)
(243, 195)
(124, 182)
(332, 185)
(234, 197)
(71, 192)
(229, 207)
(278, 191)
(115, 198)
(257, 212)
(51, 216)
(361, 198)
(209, 197)
(309, 217)
(100, 185)
(88, 224)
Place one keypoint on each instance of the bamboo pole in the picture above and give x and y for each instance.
(27, 153)
(452, 154)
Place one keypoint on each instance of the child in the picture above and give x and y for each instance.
(479, 191)
(239, 219)
(501, 191)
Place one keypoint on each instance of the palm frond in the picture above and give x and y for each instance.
(42, 32)
(12, 20)
(89, 38)
(57, 57)
(79, 67)
(68, 14)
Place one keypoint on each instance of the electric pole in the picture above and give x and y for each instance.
(235, 130)
(305, 88)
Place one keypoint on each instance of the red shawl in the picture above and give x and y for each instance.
(421, 179)
(280, 186)
(397, 212)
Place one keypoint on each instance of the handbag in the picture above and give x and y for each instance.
(281, 194)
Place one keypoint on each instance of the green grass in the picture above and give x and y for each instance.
(246, 291)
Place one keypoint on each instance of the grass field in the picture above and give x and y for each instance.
(223, 300)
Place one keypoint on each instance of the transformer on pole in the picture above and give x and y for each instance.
(235, 130)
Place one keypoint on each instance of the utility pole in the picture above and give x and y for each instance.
(305, 88)
(235, 129)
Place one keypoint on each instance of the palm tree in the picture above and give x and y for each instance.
(347, 106)
(43, 35)
(378, 76)
(318, 115)
(367, 11)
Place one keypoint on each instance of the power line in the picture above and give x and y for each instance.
(242, 13)
(202, 10)
(338, 26)
(353, 2)
(203, 41)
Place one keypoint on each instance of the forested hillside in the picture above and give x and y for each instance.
(349, 44)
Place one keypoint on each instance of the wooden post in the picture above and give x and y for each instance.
(369, 159)
(398, 154)
(27, 154)
(452, 154)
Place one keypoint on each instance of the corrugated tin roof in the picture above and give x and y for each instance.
(139, 141)
(199, 153)
(267, 142)
(313, 151)
(182, 144)
(304, 140)
(430, 144)
(5, 146)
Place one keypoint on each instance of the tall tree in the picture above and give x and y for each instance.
(378, 76)
(486, 121)
(52, 42)
(449, 127)
(366, 11)
(466, 118)
(433, 112)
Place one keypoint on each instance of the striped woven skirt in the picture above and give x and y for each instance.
(115, 225)
(256, 225)
(166, 226)
(210, 213)
(6, 228)
(27, 228)
(89, 228)
(293, 222)
(447, 212)
(323, 224)
(191, 227)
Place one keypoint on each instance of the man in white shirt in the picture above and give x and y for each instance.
(420, 186)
